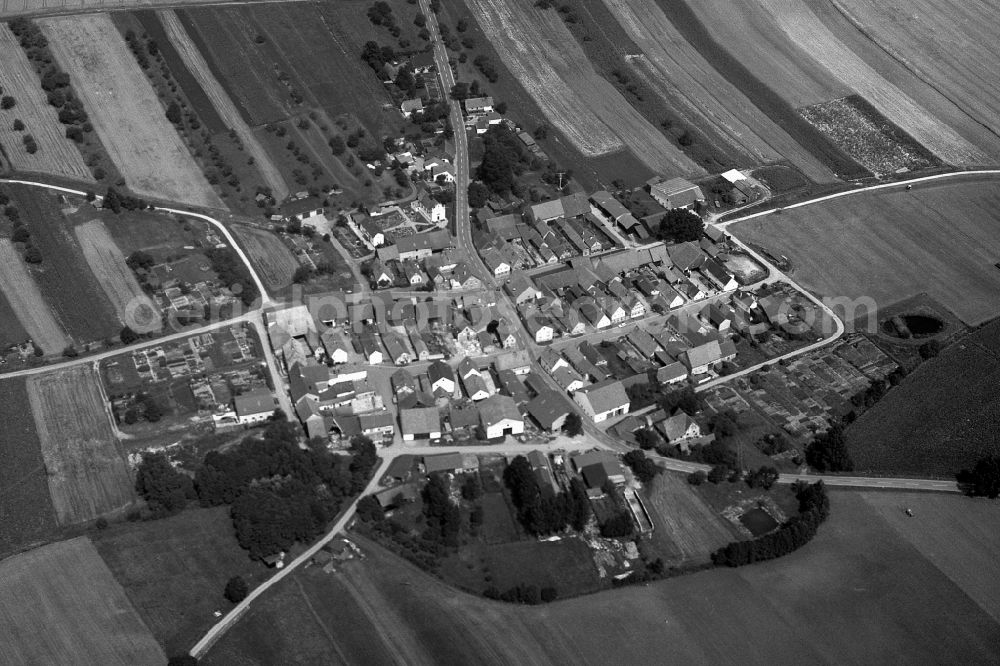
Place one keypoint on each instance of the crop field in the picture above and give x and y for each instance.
(941, 418)
(834, 601)
(686, 529)
(56, 154)
(224, 107)
(37, 7)
(125, 111)
(940, 238)
(539, 50)
(26, 302)
(26, 514)
(64, 278)
(60, 604)
(679, 74)
(272, 259)
(134, 308)
(11, 330)
(87, 472)
(174, 570)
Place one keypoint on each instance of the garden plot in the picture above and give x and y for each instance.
(125, 111)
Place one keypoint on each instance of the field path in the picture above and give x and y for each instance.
(125, 111)
(224, 106)
(56, 154)
(26, 300)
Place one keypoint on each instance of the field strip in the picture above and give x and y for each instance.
(220, 100)
(134, 308)
(10, 8)
(26, 300)
(126, 112)
(60, 604)
(56, 154)
(805, 29)
(276, 262)
(87, 472)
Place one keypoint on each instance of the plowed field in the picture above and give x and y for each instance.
(271, 258)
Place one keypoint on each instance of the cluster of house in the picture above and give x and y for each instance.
(422, 261)
(678, 429)
(421, 66)
(593, 293)
(480, 115)
(337, 407)
(434, 168)
(186, 286)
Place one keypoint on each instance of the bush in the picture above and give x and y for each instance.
(18, 125)
(697, 478)
(101, 523)
(718, 473)
(7, 102)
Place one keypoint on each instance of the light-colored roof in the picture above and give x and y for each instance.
(257, 401)
(420, 420)
(605, 396)
(547, 210)
(497, 408)
(705, 354)
(512, 360)
(733, 175)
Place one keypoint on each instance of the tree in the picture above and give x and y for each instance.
(406, 82)
(337, 145)
(646, 438)
(718, 473)
(644, 468)
(33, 255)
(697, 478)
(165, 490)
(236, 589)
(573, 425)
(929, 349)
(140, 259)
(182, 660)
(302, 274)
(478, 195)
(128, 336)
(684, 399)
(7, 102)
(983, 480)
(765, 477)
(828, 452)
(472, 489)
(174, 113)
(18, 125)
(680, 225)
(21, 235)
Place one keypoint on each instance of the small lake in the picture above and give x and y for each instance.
(758, 521)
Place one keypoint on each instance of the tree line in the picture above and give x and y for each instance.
(541, 514)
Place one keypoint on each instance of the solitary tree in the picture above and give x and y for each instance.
(573, 425)
(237, 589)
(680, 225)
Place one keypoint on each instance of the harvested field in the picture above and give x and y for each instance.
(272, 259)
(676, 71)
(135, 309)
(88, 475)
(685, 529)
(10, 8)
(805, 29)
(539, 50)
(61, 605)
(26, 514)
(941, 418)
(195, 63)
(834, 601)
(26, 301)
(125, 111)
(56, 154)
(940, 238)
(174, 570)
(11, 330)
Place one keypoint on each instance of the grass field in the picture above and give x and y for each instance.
(27, 303)
(60, 604)
(56, 154)
(942, 418)
(125, 111)
(272, 259)
(174, 570)
(859, 593)
(224, 107)
(65, 279)
(538, 49)
(87, 472)
(26, 514)
(158, 234)
(938, 238)
(11, 330)
(134, 308)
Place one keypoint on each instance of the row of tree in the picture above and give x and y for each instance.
(542, 513)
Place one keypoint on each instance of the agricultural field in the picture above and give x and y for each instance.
(174, 570)
(134, 308)
(159, 234)
(685, 529)
(87, 472)
(64, 278)
(835, 600)
(941, 418)
(224, 107)
(271, 257)
(26, 302)
(125, 111)
(56, 154)
(19, 7)
(11, 330)
(60, 604)
(940, 238)
(26, 514)
(539, 50)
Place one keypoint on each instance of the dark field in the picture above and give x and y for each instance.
(942, 418)
(11, 331)
(861, 592)
(26, 514)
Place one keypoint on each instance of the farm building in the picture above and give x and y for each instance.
(598, 467)
(512, 386)
(256, 406)
(394, 497)
(546, 211)
(549, 409)
(419, 246)
(671, 373)
(679, 427)
(519, 362)
(302, 209)
(499, 417)
(479, 105)
(445, 462)
(420, 423)
(676, 193)
(603, 400)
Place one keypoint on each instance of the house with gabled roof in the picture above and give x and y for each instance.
(643, 341)
(546, 211)
(420, 423)
(718, 275)
(521, 289)
(700, 359)
(676, 193)
(568, 379)
(442, 378)
(500, 416)
(686, 256)
(517, 361)
(549, 409)
(496, 261)
(539, 327)
(603, 400)
(672, 373)
(505, 334)
(551, 360)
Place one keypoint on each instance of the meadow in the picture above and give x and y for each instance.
(859, 593)
(940, 238)
(125, 111)
(59, 604)
(87, 472)
(686, 530)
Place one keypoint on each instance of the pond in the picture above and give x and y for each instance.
(923, 325)
(758, 521)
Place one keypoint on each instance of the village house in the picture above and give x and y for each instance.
(478, 105)
(679, 428)
(431, 209)
(472, 381)
(500, 417)
(442, 378)
(521, 289)
(539, 327)
(254, 407)
(505, 335)
(395, 348)
(519, 362)
(718, 275)
(420, 423)
(603, 400)
(411, 106)
(549, 409)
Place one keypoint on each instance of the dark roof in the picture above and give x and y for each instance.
(548, 407)
(443, 462)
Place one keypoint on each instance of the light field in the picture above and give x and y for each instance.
(941, 238)
(273, 260)
(26, 301)
(56, 154)
(59, 604)
(125, 111)
(134, 308)
(87, 472)
(224, 106)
